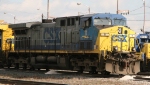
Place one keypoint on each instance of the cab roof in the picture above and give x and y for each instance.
(105, 15)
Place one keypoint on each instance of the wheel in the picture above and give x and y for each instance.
(95, 72)
(8, 66)
(1, 65)
(24, 66)
(17, 66)
(47, 69)
(91, 72)
(32, 68)
(105, 73)
(81, 70)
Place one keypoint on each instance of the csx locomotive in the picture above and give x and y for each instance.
(5, 35)
(94, 43)
(142, 44)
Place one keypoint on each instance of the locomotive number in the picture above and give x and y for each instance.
(119, 30)
(120, 38)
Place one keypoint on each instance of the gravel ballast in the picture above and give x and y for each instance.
(70, 78)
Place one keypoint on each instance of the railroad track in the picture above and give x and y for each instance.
(144, 73)
(141, 78)
(20, 82)
(63, 73)
(58, 75)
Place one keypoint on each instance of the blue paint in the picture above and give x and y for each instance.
(92, 31)
(119, 38)
(141, 41)
(52, 35)
(44, 47)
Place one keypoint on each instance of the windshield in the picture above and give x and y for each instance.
(144, 40)
(120, 22)
(149, 40)
(102, 22)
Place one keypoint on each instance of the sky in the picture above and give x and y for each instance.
(31, 10)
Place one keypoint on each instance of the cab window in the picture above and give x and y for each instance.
(99, 21)
(86, 23)
(144, 40)
(120, 22)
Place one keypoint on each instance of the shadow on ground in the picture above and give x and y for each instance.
(54, 74)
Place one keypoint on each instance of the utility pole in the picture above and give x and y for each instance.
(144, 16)
(117, 7)
(14, 19)
(47, 9)
(121, 11)
(89, 10)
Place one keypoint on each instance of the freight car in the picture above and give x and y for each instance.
(5, 34)
(142, 44)
(94, 43)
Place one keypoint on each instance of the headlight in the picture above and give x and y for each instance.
(104, 34)
(133, 49)
(115, 48)
(143, 36)
(132, 35)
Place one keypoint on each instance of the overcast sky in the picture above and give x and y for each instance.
(31, 10)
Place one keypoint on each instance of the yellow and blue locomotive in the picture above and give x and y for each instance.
(6, 34)
(95, 43)
(142, 44)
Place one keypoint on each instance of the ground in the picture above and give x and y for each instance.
(69, 77)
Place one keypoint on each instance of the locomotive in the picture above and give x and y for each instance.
(5, 35)
(99, 42)
(142, 44)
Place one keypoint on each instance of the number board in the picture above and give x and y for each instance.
(119, 30)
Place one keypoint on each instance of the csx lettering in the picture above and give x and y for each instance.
(120, 38)
(51, 34)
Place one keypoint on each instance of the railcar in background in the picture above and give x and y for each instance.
(5, 44)
(142, 44)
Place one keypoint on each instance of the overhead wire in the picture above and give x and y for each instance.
(138, 20)
(37, 17)
(138, 13)
(136, 9)
(147, 6)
